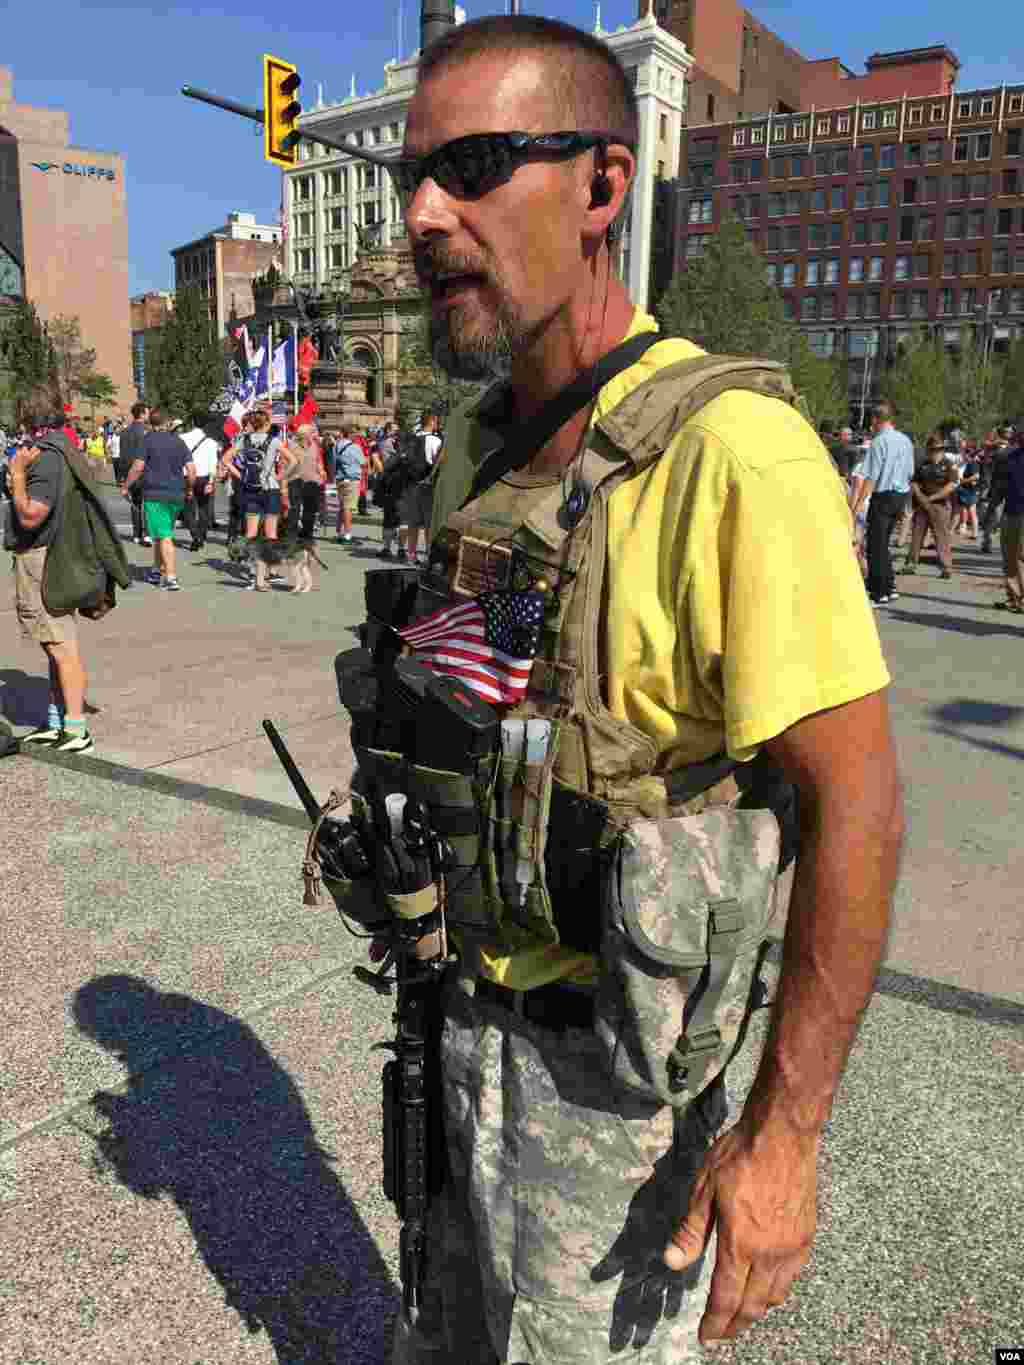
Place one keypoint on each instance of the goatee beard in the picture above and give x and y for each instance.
(482, 358)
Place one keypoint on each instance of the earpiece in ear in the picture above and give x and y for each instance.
(600, 192)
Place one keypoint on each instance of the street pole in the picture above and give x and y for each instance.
(436, 18)
(295, 364)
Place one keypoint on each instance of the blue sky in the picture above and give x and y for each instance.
(118, 68)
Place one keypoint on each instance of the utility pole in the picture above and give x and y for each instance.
(436, 18)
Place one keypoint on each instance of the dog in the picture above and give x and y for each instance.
(298, 555)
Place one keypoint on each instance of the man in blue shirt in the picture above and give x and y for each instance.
(885, 479)
(1012, 534)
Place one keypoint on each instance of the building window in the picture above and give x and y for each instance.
(789, 274)
(303, 187)
(305, 225)
(843, 123)
(889, 118)
(972, 263)
(778, 168)
(976, 223)
(837, 198)
(901, 268)
(882, 194)
(898, 303)
(831, 275)
(797, 168)
(954, 225)
(964, 108)
(854, 305)
(776, 205)
(868, 120)
(756, 136)
(809, 308)
(979, 186)
(824, 127)
(926, 227)
(791, 237)
(823, 163)
(860, 232)
(914, 154)
(662, 126)
(910, 192)
(887, 156)
(968, 301)
(1000, 260)
(737, 172)
(818, 202)
(856, 269)
(862, 196)
(661, 170)
(1013, 141)
(917, 114)
(938, 113)
(788, 309)
(336, 256)
(771, 273)
(811, 272)
(906, 232)
(876, 269)
(947, 301)
(933, 151)
(931, 189)
(304, 256)
(988, 105)
(695, 245)
(816, 235)
(872, 304)
(1015, 104)
(794, 203)
(773, 239)
(950, 264)
(958, 186)
(880, 230)
(922, 267)
(1004, 222)
(1011, 182)
(711, 109)
(701, 209)
(799, 130)
(333, 182)
(335, 220)
(396, 131)
(919, 303)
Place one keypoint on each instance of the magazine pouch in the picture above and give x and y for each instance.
(686, 906)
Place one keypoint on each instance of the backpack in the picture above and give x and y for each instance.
(252, 466)
(414, 452)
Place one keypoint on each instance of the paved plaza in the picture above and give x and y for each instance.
(190, 1123)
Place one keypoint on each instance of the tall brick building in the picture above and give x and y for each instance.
(878, 215)
(149, 312)
(223, 262)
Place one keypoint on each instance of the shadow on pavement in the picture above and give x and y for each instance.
(943, 622)
(23, 697)
(966, 711)
(211, 1120)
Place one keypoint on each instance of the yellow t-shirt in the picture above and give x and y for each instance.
(735, 603)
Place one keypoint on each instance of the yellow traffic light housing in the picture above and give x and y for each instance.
(280, 111)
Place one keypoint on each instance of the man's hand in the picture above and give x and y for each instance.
(760, 1192)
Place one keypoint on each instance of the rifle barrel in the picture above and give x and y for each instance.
(302, 790)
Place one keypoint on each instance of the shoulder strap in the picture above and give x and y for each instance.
(535, 433)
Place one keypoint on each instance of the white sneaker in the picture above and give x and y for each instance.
(74, 743)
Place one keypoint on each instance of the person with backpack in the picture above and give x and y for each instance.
(259, 463)
(647, 558)
(421, 455)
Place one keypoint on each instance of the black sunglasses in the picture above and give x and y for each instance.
(469, 167)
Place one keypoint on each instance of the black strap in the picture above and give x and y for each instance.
(532, 435)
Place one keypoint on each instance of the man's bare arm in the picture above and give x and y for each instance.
(758, 1182)
(864, 492)
(31, 512)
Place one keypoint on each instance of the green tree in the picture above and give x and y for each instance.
(723, 301)
(29, 360)
(1012, 375)
(96, 389)
(185, 364)
(919, 385)
(72, 359)
(977, 387)
(820, 380)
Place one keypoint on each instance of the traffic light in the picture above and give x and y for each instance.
(280, 111)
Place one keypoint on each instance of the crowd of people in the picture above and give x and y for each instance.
(956, 487)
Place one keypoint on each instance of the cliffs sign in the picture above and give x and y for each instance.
(75, 168)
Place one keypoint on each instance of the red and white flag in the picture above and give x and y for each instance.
(488, 643)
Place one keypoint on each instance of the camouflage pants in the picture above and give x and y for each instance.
(545, 1247)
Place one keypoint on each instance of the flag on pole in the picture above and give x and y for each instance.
(488, 643)
(282, 378)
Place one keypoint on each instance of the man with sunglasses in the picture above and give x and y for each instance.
(578, 1219)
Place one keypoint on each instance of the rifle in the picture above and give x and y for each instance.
(403, 857)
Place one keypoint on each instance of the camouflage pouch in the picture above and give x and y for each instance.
(687, 903)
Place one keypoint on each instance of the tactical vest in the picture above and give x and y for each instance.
(600, 777)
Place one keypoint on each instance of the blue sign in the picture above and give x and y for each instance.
(74, 168)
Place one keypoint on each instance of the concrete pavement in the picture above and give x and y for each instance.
(189, 1132)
